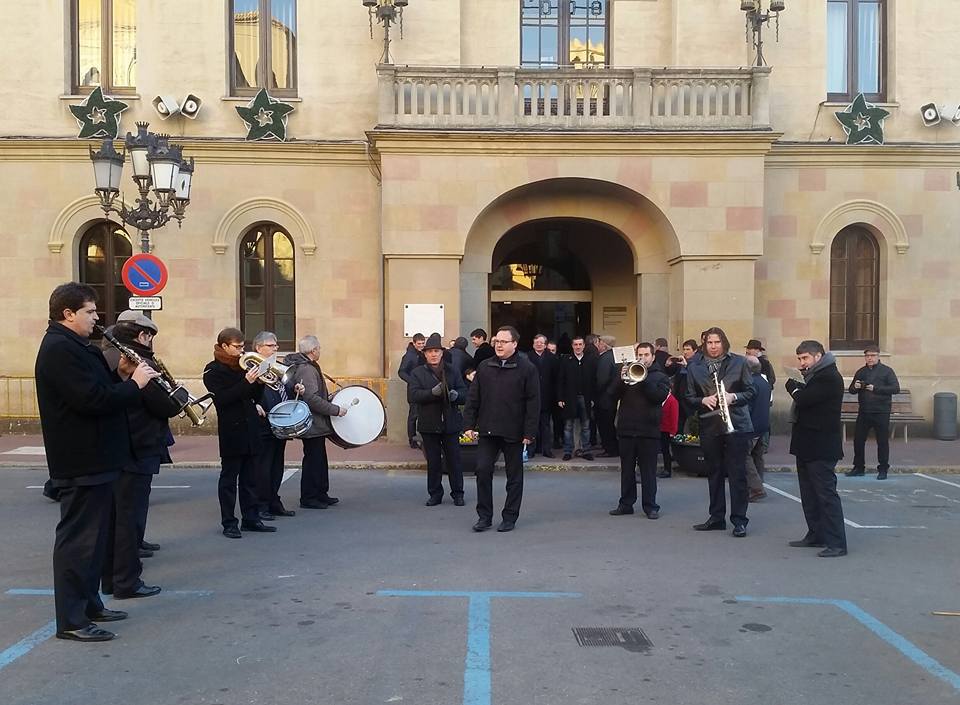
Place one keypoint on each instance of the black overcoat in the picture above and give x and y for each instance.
(437, 414)
(817, 432)
(570, 369)
(238, 424)
(504, 400)
(548, 370)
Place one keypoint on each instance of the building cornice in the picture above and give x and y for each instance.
(788, 155)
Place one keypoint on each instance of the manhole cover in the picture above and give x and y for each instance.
(629, 638)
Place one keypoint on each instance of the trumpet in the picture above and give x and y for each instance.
(633, 372)
(722, 405)
(276, 376)
(175, 391)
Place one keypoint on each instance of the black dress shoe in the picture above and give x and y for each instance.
(739, 530)
(232, 532)
(433, 502)
(832, 552)
(711, 526)
(147, 546)
(587, 456)
(142, 591)
(882, 475)
(91, 632)
(807, 542)
(330, 500)
(106, 615)
(547, 454)
(855, 473)
(482, 525)
(313, 504)
(506, 525)
(653, 515)
(458, 502)
(256, 526)
(620, 511)
(144, 553)
(267, 516)
(282, 512)
(566, 456)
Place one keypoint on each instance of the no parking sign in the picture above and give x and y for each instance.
(144, 275)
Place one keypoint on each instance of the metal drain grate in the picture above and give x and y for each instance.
(629, 638)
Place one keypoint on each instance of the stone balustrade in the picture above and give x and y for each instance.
(582, 99)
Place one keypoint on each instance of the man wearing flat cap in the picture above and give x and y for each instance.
(438, 390)
(149, 439)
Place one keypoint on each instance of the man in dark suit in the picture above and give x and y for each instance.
(817, 443)
(578, 378)
(874, 384)
(87, 442)
(236, 393)
(412, 358)
(605, 401)
(548, 369)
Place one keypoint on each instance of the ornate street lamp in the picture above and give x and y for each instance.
(386, 12)
(157, 164)
(757, 17)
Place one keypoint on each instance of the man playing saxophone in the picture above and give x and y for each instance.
(720, 387)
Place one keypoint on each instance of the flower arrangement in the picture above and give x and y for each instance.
(685, 439)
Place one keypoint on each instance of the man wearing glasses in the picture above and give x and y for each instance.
(502, 412)
(874, 384)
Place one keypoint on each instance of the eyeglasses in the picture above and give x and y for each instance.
(238, 346)
(496, 341)
(269, 345)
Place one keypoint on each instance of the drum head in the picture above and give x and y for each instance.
(364, 420)
(289, 419)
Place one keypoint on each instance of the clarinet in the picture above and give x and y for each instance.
(133, 356)
(196, 417)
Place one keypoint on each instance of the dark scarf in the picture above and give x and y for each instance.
(225, 358)
(808, 374)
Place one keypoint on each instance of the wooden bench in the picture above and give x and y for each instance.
(901, 412)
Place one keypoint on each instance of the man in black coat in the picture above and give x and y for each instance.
(461, 360)
(874, 384)
(503, 409)
(578, 379)
(482, 349)
(548, 371)
(817, 443)
(605, 401)
(438, 390)
(149, 440)
(236, 394)
(268, 465)
(725, 450)
(412, 358)
(638, 430)
(87, 443)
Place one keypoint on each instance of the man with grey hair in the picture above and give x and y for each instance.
(605, 402)
(268, 464)
(314, 474)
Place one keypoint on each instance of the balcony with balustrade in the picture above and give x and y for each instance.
(611, 99)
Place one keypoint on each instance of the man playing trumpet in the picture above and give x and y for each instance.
(720, 387)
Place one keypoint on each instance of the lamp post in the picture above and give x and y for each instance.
(386, 12)
(157, 164)
(757, 17)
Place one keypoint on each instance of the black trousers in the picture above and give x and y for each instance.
(606, 418)
(315, 471)
(488, 448)
(121, 565)
(880, 423)
(78, 552)
(726, 456)
(636, 451)
(545, 435)
(147, 466)
(412, 414)
(237, 473)
(269, 472)
(666, 450)
(821, 503)
(439, 447)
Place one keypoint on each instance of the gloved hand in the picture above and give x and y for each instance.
(437, 391)
(452, 395)
(792, 386)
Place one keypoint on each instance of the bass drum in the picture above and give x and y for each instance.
(290, 419)
(365, 417)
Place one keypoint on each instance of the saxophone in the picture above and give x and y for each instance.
(193, 408)
(722, 405)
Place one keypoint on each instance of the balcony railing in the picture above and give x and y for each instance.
(588, 99)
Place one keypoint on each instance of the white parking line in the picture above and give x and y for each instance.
(155, 487)
(846, 521)
(937, 479)
(25, 450)
(287, 474)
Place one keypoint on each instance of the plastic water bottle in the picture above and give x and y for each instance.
(526, 453)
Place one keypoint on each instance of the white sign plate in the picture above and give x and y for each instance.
(145, 303)
(624, 353)
(422, 318)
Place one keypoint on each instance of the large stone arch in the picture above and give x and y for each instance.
(879, 219)
(73, 221)
(245, 214)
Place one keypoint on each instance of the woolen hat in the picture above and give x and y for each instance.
(754, 343)
(434, 342)
(138, 319)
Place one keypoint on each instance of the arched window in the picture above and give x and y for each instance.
(267, 284)
(104, 247)
(854, 290)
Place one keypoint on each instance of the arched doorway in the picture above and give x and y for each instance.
(563, 277)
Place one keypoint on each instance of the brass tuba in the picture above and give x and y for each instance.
(633, 372)
(276, 375)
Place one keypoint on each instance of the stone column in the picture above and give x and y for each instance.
(707, 291)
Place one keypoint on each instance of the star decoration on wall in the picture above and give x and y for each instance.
(862, 121)
(98, 116)
(266, 117)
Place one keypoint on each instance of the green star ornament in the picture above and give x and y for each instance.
(266, 117)
(862, 122)
(98, 116)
